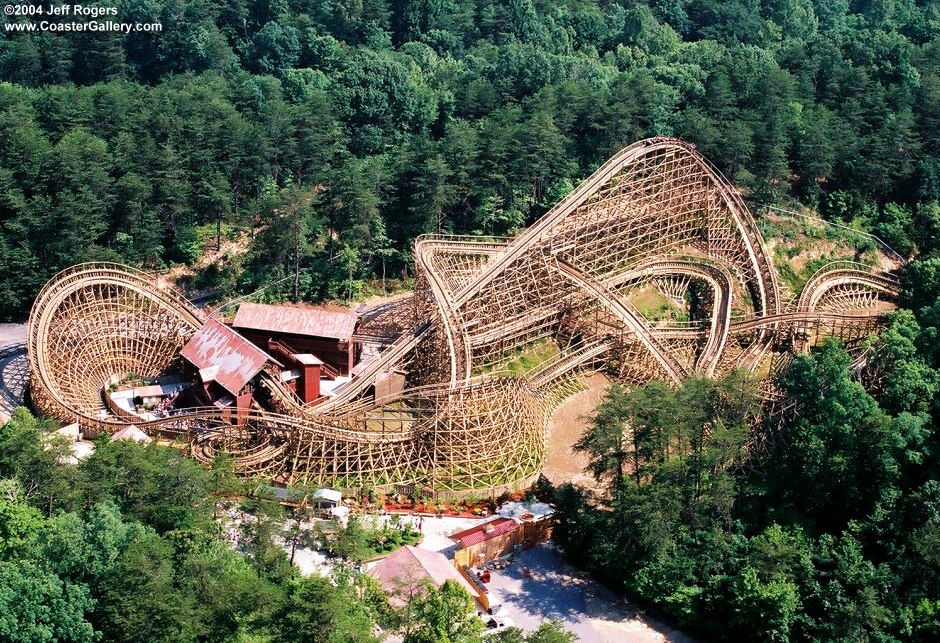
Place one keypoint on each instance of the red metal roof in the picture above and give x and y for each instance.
(315, 322)
(484, 532)
(233, 359)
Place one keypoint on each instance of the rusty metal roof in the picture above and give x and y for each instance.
(292, 320)
(231, 358)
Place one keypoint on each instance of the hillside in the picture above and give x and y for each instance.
(331, 134)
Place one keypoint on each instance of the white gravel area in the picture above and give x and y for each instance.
(12, 334)
(310, 561)
(436, 530)
(553, 589)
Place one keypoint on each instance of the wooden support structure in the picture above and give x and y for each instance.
(656, 216)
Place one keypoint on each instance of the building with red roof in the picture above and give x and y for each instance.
(489, 540)
(225, 362)
(324, 333)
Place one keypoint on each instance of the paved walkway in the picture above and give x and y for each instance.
(14, 368)
(585, 607)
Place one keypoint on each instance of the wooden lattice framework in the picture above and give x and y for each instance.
(655, 215)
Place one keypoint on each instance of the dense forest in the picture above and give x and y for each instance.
(829, 532)
(127, 546)
(325, 136)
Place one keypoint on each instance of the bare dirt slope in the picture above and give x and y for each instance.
(566, 425)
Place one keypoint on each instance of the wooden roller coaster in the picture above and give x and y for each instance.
(656, 215)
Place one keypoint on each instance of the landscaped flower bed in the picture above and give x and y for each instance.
(428, 507)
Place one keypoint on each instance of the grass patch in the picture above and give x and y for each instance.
(796, 279)
(793, 280)
(524, 359)
(531, 357)
(800, 246)
(654, 305)
(386, 541)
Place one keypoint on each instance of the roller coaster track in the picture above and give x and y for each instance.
(782, 320)
(503, 255)
(512, 326)
(538, 233)
(756, 248)
(722, 286)
(657, 209)
(90, 276)
(840, 273)
(389, 358)
(627, 314)
(788, 319)
(566, 362)
(457, 340)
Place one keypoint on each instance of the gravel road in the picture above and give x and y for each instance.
(14, 370)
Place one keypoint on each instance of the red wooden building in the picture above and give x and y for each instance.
(487, 541)
(224, 363)
(327, 335)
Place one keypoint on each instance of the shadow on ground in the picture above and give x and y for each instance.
(555, 590)
(14, 373)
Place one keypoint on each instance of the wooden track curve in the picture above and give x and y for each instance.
(656, 209)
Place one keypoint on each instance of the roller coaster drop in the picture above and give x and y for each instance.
(655, 215)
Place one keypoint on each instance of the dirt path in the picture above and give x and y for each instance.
(566, 425)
